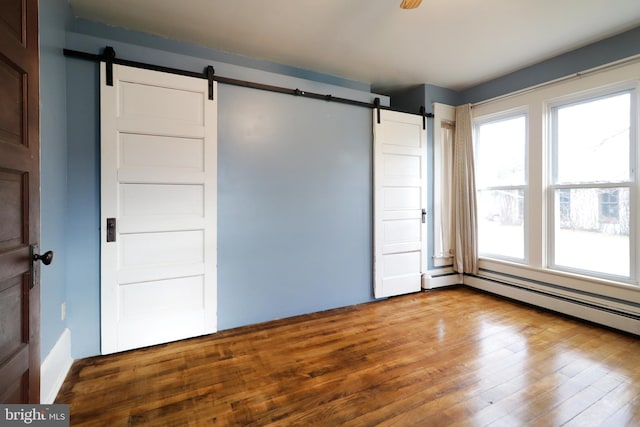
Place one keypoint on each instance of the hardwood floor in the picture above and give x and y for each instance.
(448, 357)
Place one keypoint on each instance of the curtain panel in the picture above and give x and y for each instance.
(465, 223)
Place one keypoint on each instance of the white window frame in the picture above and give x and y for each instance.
(631, 184)
(442, 113)
(537, 272)
(503, 116)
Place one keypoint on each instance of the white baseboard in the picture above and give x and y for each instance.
(559, 304)
(441, 278)
(55, 367)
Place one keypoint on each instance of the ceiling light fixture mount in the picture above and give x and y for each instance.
(410, 4)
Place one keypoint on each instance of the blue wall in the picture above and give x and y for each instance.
(294, 192)
(83, 207)
(294, 206)
(54, 16)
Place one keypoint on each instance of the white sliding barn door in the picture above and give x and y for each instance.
(158, 187)
(399, 172)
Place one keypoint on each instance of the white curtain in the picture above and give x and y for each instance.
(465, 226)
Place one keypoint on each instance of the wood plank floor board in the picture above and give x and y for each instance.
(627, 415)
(540, 404)
(497, 409)
(605, 407)
(495, 383)
(447, 357)
(453, 380)
(569, 408)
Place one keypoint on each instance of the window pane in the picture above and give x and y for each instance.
(593, 141)
(500, 153)
(501, 223)
(592, 230)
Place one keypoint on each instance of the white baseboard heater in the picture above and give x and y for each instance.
(441, 278)
(622, 315)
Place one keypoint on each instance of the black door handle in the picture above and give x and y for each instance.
(46, 257)
(111, 229)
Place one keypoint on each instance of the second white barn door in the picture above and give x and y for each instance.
(158, 208)
(399, 203)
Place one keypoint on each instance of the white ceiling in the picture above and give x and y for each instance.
(449, 43)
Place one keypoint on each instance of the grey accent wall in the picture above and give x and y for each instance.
(424, 95)
(410, 99)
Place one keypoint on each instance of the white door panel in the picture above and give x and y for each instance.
(158, 180)
(402, 165)
(158, 272)
(402, 231)
(156, 200)
(399, 200)
(402, 263)
(402, 198)
(174, 154)
(399, 131)
(184, 106)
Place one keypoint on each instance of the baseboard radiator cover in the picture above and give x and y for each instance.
(441, 278)
(589, 311)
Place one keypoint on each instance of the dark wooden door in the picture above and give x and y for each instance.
(19, 202)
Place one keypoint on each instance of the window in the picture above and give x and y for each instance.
(501, 186)
(575, 177)
(564, 206)
(609, 206)
(444, 130)
(592, 181)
